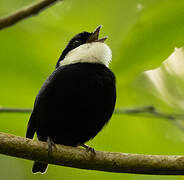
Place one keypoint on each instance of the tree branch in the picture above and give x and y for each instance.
(79, 158)
(148, 111)
(144, 110)
(25, 12)
(151, 111)
(15, 110)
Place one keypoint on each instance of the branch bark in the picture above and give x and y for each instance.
(79, 158)
(25, 12)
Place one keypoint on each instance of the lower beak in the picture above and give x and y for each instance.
(95, 35)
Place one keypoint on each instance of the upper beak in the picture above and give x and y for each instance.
(95, 35)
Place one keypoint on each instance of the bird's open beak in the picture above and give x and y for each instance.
(95, 35)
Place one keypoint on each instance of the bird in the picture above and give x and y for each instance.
(77, 100)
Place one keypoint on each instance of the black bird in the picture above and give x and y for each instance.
(78, 98)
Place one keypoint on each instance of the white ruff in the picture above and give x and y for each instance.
(96, 52)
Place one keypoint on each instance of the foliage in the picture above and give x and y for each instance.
(141, 34)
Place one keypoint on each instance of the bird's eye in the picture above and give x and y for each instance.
(76, 43)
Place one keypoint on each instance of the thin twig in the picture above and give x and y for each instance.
(145, 110)
(79, 158)
(25, 12)
(151, 111)
(15, 110)
(148, 111)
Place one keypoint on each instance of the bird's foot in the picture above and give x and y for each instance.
(89, 149)
(51, 144)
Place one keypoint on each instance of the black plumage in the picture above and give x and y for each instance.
(75, 42)
(74, 103)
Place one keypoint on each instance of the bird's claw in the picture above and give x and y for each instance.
(89, 149)
(50, 145)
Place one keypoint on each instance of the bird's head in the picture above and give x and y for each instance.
(86, 47)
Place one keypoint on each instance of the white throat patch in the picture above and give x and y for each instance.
(95, 52)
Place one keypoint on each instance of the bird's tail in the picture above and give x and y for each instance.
(39, 167)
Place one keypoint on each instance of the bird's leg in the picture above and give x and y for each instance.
(50, 145)
(88, 148)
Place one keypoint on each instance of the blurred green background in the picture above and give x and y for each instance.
(142, 34)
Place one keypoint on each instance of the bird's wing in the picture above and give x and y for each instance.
(31, 127)
(44, 91)
(48, 96)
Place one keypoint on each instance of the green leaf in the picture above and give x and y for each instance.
(152, 39)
